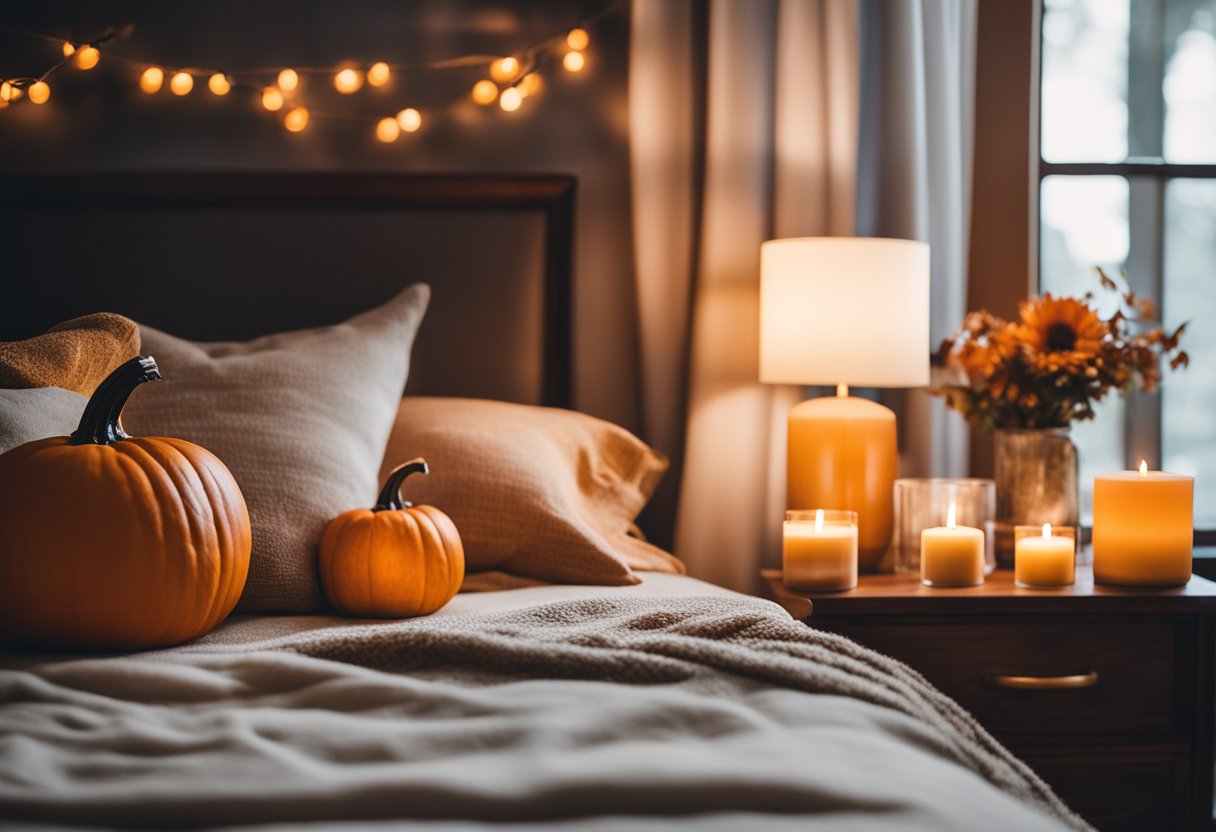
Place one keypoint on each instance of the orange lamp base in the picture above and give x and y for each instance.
(842, 454)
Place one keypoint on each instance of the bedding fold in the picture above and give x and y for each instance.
(592, 713)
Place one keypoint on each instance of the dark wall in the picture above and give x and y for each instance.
(99, 121)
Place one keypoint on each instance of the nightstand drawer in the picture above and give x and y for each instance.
(1109, 677)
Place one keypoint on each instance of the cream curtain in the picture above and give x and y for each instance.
(772, 153)
(744, 126)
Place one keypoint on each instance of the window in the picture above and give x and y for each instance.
(1127, 181)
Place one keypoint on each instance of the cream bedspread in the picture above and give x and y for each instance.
(597, 713)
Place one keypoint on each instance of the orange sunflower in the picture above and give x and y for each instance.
(1061, 331)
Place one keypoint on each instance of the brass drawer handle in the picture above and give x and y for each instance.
(1074, 682)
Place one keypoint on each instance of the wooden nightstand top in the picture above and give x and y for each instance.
(905, 595)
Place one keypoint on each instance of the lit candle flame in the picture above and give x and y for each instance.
(1143, 468)
(950, 514)
(1046, 530)
(818, 520)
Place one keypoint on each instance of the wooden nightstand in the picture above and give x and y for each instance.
(1108, 693)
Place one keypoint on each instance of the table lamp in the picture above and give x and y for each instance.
(844, 311)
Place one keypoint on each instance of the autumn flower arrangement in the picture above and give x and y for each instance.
(1048, 368)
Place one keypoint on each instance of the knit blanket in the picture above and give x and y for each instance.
(592, 714)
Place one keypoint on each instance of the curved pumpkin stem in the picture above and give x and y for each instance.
(390, 495)
(99, 423)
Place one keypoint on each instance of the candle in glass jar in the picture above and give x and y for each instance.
(1044, 560)
(819, 550)
(1143, 528)
(952, 555)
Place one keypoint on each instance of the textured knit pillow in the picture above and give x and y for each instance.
(538, 494)
(300, 418)
(27, 415)
(75, 355)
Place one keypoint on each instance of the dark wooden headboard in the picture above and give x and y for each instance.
(224, 256)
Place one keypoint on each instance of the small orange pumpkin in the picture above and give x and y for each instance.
(109, 541)
(395, 560)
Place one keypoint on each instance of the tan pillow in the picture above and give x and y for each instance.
(75, 355)
(300, 418)
(537, 493)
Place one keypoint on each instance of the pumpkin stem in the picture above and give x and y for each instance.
(99, 423)
(390, 495)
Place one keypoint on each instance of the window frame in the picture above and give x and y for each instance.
(1147, 173)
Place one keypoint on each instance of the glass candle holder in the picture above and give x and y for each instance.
(819, 550)
(1045, 557)
(925, 503)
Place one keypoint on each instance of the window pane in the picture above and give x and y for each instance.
(1084, 83)
(1190, 81)
(1083, 224)
(1189, 396)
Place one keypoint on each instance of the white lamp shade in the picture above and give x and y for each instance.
(844, 310)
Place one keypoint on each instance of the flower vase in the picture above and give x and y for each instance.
(1036, 482)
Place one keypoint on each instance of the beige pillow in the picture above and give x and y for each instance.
(38, 413)
(301, 420)
(538, 494)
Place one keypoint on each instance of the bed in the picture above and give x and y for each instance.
(660, 703)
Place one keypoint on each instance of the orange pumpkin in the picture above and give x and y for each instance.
(394, 560)
(115, 542)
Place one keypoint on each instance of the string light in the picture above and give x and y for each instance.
(68, 48)
(530, 84)
(504, 69)
(378, 74)
(296, 120)
(288, 79)
(348, 81)
(9, 92)
(578, 39)
(219, 84)
(181, 83)
(485, 91)
(39, 92)
(574, 62)
(87, 56)
(151, 79)
(272, 99)
(387, 130)
(409, 119)
(510, 99)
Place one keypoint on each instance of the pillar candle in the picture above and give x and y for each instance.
(1143, 528)
(1045, 560)
(952, 555)
(818, 555)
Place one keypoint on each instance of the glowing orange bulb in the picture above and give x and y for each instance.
(296, 120)
(577, 39)
(378, 74)
(272, 99)
(288, 79)
(484, 92)
(68, 48)
(181, 83)
(348, 81)
(387, 130)
(504, 70)
(574, 62)
(510, 99)
(409, 119)
(219, 84)
(8, 92)
(87, 57)
(39, 92)
(530, 84)
(151, 79)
